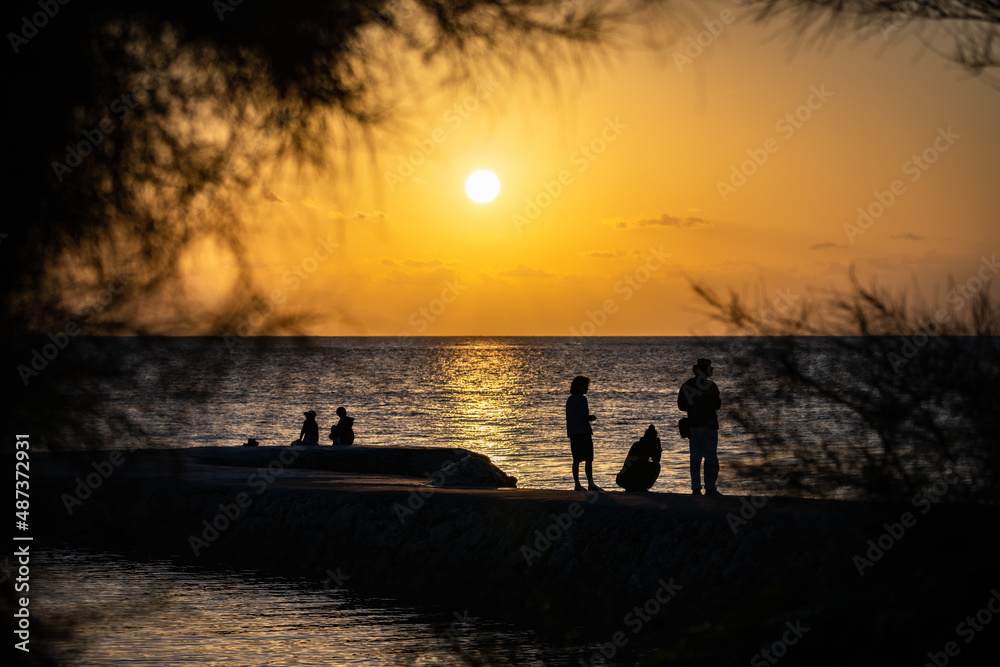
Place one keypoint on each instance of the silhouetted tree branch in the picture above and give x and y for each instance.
(969, 27)
(863, 391)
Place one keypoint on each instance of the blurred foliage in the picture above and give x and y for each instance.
(905, 392)
(134, 130)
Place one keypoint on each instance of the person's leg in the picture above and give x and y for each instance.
(574, 446)
(694, 443)
(710, 447)
(589, 468)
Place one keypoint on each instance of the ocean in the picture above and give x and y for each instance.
(503, 397)
(109, 609)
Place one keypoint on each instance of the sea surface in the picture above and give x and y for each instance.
(107, 609)
(503, 397)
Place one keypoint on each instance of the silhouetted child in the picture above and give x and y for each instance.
(310, 430)
(342, 433)
(642, 465)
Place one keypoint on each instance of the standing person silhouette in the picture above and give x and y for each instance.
(578, 429)
(699, 397)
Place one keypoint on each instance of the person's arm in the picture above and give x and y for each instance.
(714, 398)
(682, 398)
(586, 410)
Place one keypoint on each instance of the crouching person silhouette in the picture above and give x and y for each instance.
(342, 433)
(642, 465)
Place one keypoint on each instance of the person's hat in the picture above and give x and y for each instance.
(704, 363)
(310, 414)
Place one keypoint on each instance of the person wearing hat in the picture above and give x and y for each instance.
(699, 397)
(310, 429)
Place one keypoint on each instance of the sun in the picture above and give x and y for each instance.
(482, 186)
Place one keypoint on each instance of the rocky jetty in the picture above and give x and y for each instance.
(707, 578)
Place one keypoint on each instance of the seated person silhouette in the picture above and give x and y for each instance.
(309, 435)
(642, 465)
(342, 433)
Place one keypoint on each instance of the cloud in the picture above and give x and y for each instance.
(824, 246)
(358, 215)
(524, 271)
(270, 196)
(907, 236)
(665, 220)
(604, 254)
(365, 215)
(413, 263)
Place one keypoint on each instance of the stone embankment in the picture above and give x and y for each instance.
(388, 520)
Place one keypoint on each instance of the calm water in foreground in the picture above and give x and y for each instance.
(126, 612)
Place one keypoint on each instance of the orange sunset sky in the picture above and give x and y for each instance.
(743, 167)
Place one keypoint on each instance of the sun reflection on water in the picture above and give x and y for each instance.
(109, 610)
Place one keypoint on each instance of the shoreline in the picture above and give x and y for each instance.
(660, 566)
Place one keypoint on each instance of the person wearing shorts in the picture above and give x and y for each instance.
(578, 428)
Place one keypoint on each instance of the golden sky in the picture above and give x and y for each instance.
(743, 167)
